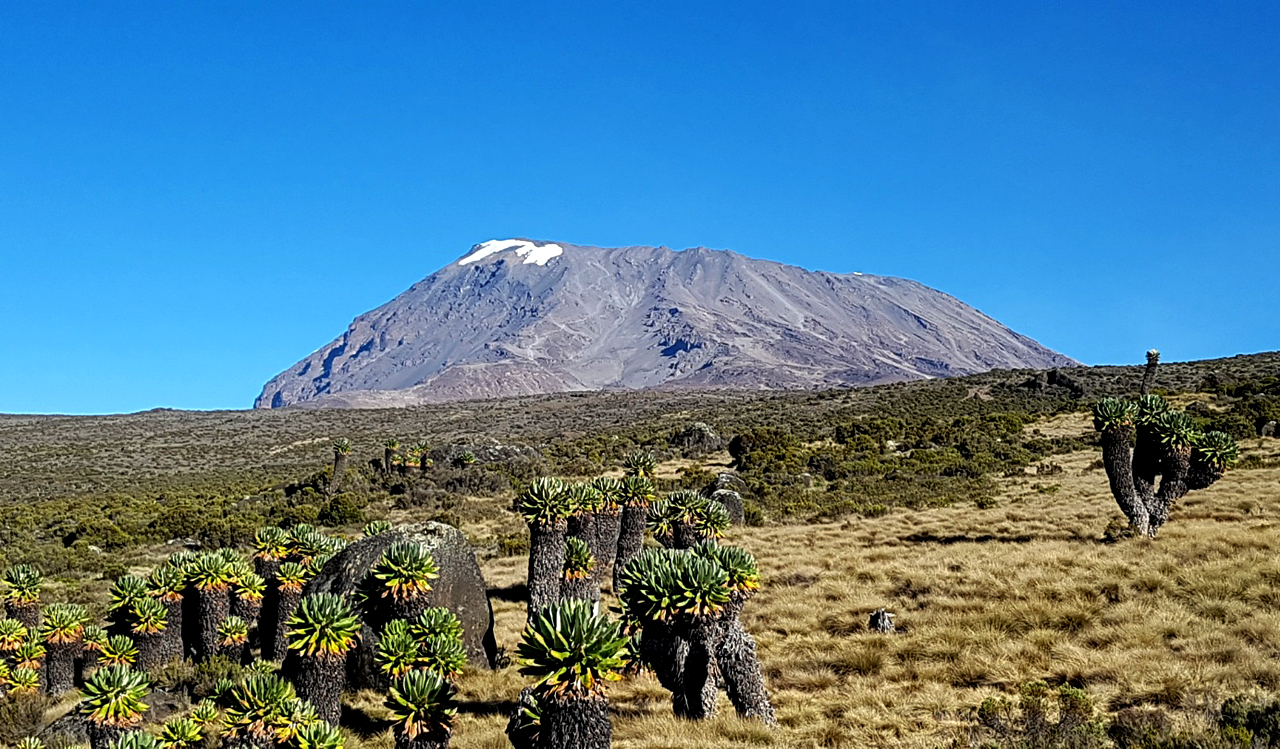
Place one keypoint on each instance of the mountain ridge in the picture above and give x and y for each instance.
(523, 316)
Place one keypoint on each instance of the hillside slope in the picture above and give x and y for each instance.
(517, 317)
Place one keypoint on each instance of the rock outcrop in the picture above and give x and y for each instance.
(460, 588)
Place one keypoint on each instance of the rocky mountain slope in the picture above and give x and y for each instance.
(519, 317)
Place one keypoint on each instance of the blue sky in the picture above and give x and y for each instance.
(193, 196)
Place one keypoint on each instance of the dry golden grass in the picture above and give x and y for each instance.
(988, 598)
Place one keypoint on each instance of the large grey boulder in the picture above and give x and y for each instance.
(697, 439)
(460, 588)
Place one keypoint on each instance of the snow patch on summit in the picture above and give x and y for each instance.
(532, 253)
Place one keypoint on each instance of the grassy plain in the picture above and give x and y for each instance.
(987, 599)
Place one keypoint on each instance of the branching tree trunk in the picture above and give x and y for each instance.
(1154, 456)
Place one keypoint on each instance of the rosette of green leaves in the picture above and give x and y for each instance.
(271, 543)
(180, 733)
(639, 463)
(167, 582)
(578, 562)
(24, 680)
(637, 491)
(397, 652)
(149, 616)
(544, 501)
(1148, 408)
(232, 631)
(294, 576)
(118, 650)
(374, 527)
(584, 498)
(404, 572)
(1217, 449)
(663, 584)
(318, 736)
(206, 713)
(421, 703)
(436, 621)
(210, 571)
(125, 592)
(738, 564)
(570, 648)
(323, 624)
(1113, 413)
(12, 634)
(1175, 429)
(22, 583)
(664, 516)
(114, 696)
(257, 705)
(64, 623)
(30, 654)
(708, 518)
(610, 490)
(442, 654)
(136, 740)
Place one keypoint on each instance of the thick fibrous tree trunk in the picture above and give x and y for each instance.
(582, 526)
(517, 737)
(26, 612)
(579, 589)
(171, 637)
(276, 630)
(630, 539)
(578, 721)
(319, 680)
(339, 471)
(189, 622)
(665, 652)
(438, 739)
(60, 666)
(250, 610)
(102, 737)
(604, 547)
(214, 605)
(152, 653)
(546, 564)
(698, 696)
(1117, 457)
(685, 537)
(740, 667)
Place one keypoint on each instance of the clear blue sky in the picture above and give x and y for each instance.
(195, 195)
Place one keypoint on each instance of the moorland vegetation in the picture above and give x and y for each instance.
(983, 511)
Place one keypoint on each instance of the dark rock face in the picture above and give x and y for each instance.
(732, 502)
(520, 317)
(460, 588)
(697, 439)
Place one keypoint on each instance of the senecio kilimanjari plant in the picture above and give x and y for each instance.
(1145, 441)
(573, 652)
(545, 505)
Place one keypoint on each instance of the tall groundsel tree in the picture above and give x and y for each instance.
(210, 576)
(321, 633)
(150, 632)
(736, 655)
(166, 584)
(678, 598)
(604, 546)
(585, 503)
(573, 652)
(423, 706)
(125, 592)
(63, 634)
(22, 595)
(545, 505)
(341, 451)
(112, 704)
(636, 493)
(292, 578)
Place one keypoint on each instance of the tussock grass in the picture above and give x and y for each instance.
(988, 599)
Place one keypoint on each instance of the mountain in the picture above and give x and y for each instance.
(520, 317)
